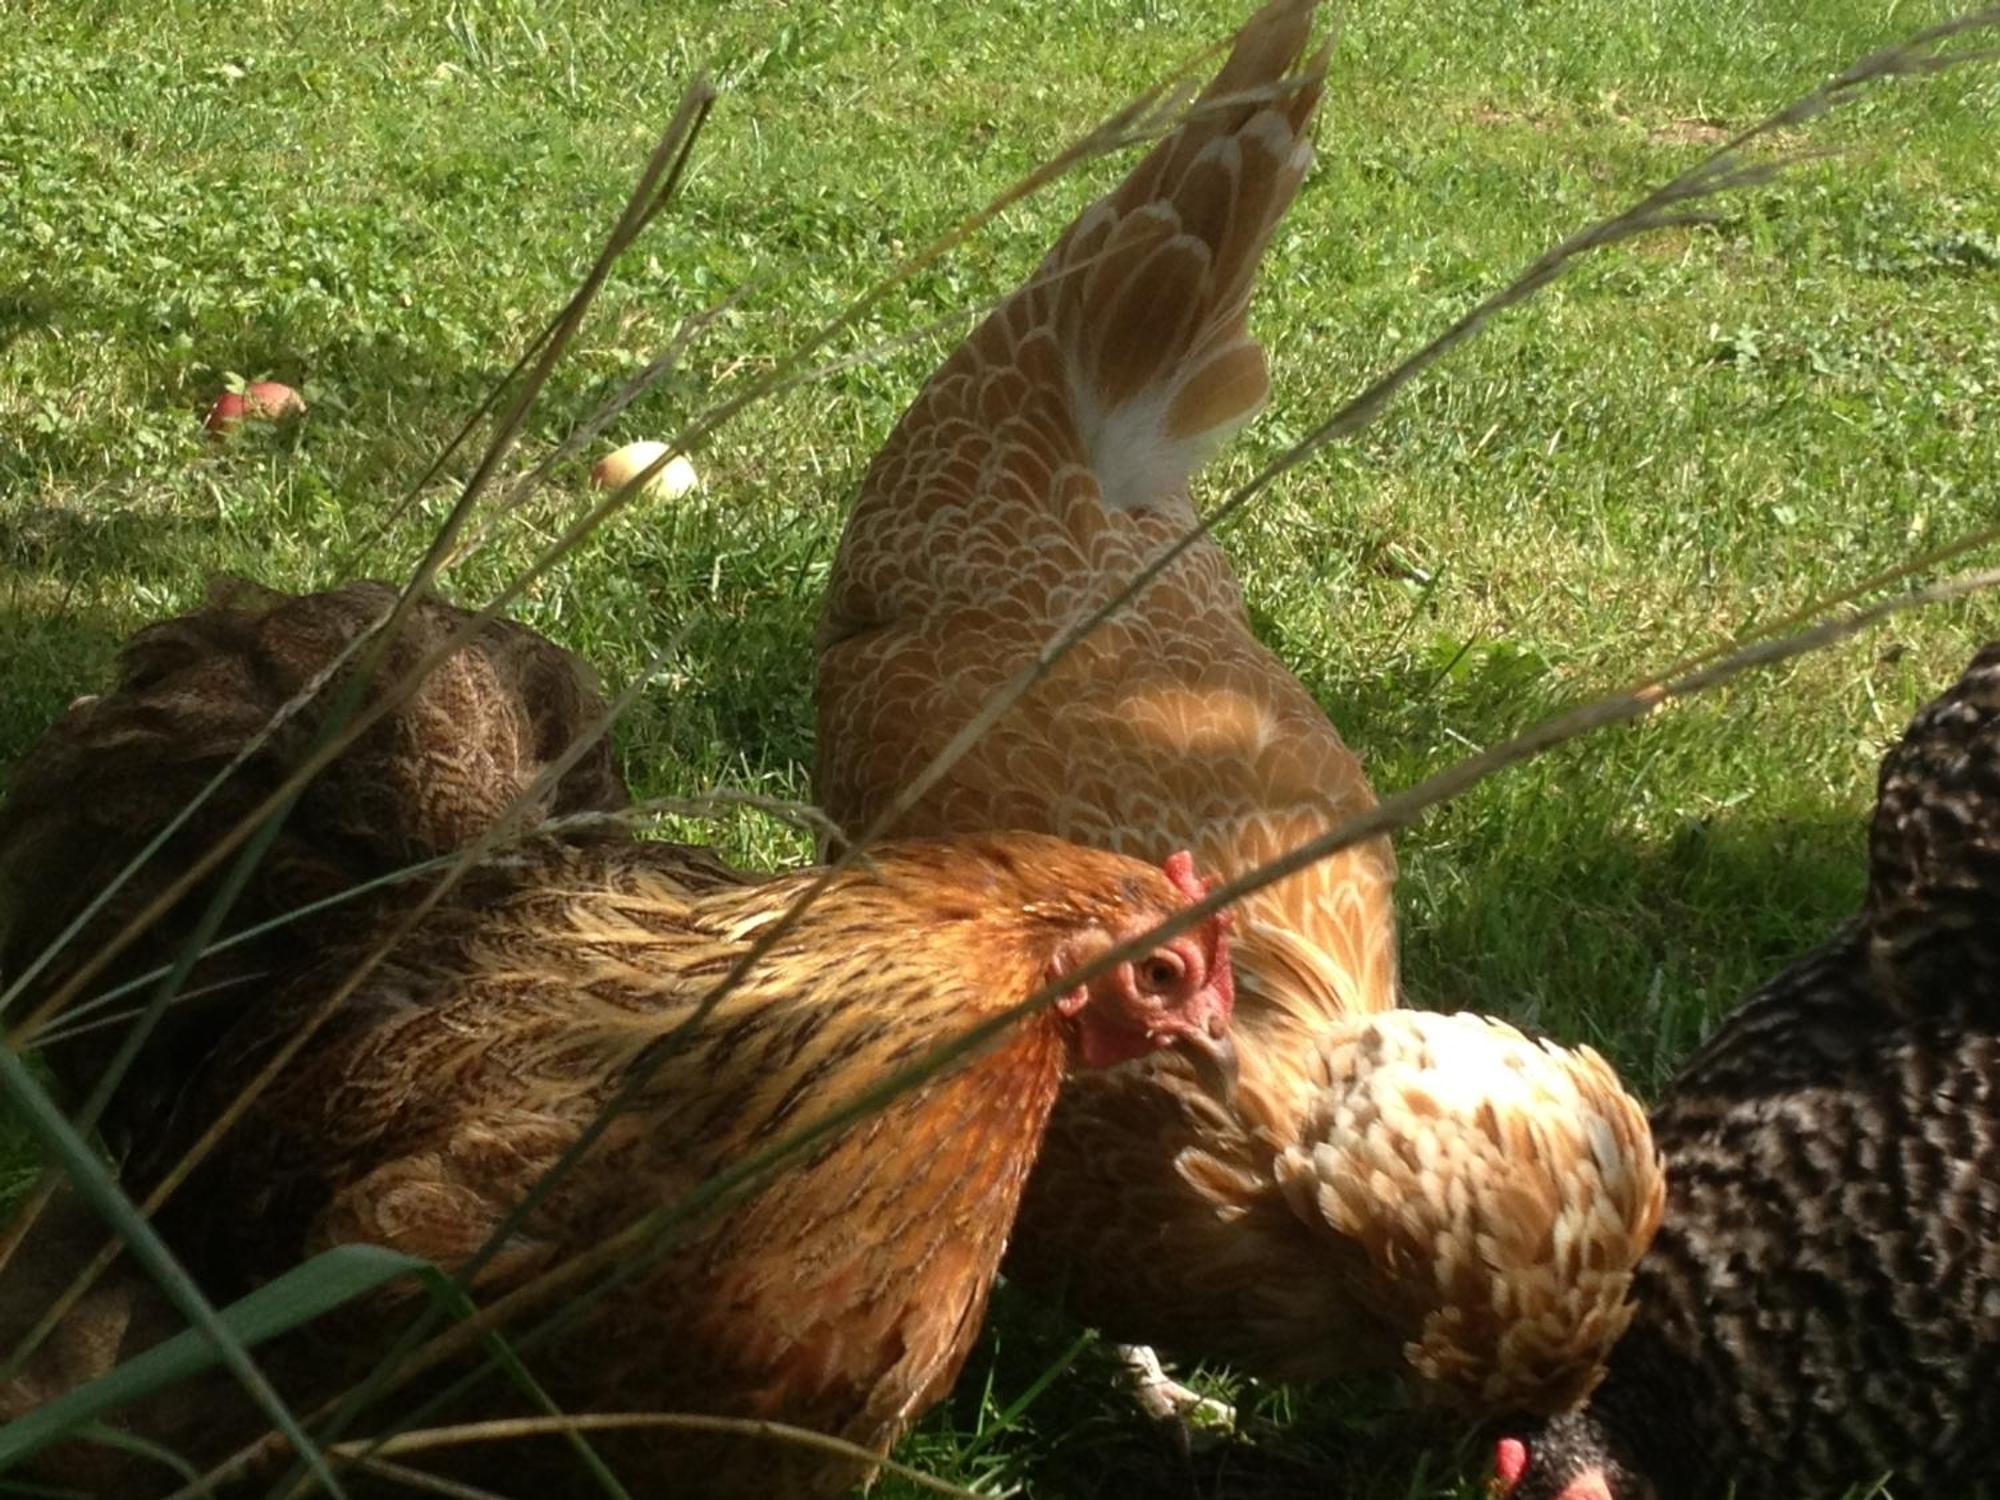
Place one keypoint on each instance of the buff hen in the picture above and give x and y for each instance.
(1822, 1305)
(1473, 1213)
(840, 1294)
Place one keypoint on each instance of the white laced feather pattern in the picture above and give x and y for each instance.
(1153, 301)
(1504, 1189)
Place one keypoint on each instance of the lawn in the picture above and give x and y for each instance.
(1694, 434)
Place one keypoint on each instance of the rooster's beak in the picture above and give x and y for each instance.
(1213, 1059)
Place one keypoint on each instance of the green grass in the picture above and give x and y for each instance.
(1694, 434)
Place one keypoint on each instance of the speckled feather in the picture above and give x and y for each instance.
(1042, 465)
(1495, 1187)
(191, 693)
(1822, 1304)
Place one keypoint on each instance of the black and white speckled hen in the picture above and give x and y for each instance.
(1821, 1308)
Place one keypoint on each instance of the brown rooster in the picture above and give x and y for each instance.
(1822, 1305)
(1393, 1189)
(844, 1292)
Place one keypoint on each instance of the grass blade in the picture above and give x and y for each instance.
(505, 1430)
(327, 1281)
(94, 1181)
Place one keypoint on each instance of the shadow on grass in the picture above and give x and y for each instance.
(1084, 1437)
(1609, 893)
(49, 657)
(28, 311)
(1634, 949)
(68, 576)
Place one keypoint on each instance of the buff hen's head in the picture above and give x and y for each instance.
(1501, 1191)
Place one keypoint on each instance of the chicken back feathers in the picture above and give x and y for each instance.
(1822, 1305)
(1934, 858)
(1045, 462)
(193, 694)
(1040, 468)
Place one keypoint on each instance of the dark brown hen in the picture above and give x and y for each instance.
(193, 693)
(1821, 1307)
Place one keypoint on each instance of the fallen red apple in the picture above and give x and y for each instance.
(260, 398)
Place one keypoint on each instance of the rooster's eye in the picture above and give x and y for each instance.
(1161, 971)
